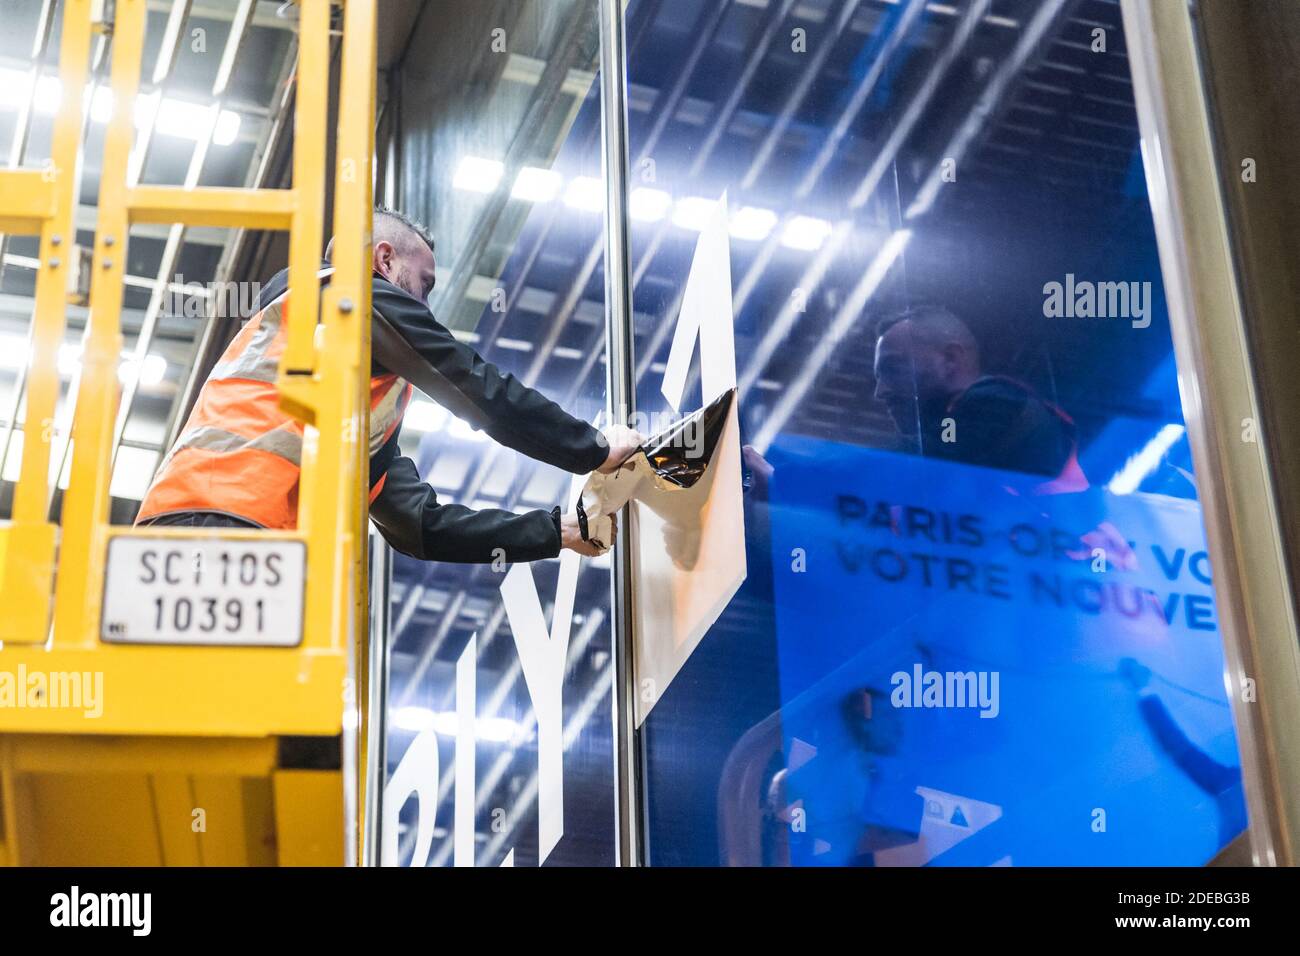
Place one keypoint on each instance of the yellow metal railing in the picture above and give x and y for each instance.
(43, 202)
(197, 690)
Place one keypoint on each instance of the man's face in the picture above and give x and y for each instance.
(911, 376)
(410, 269)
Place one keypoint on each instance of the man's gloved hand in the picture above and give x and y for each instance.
(571, 536)
(622, 441)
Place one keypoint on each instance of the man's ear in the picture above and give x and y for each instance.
(384, 255)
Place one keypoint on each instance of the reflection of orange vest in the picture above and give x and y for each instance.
(239, 452)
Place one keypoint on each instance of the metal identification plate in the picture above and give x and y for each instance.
(204, 591)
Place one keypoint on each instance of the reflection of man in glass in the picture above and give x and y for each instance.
(928, 374)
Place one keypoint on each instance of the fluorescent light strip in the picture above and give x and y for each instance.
(693, 212)
(805, 233)
(427, 417)
(174, 117)
(536, 185)
(752, 223)
(645, 204)
(478, 175)
(514, 345)
(14, 355)
(492, 729)
(1138, 468)
(585, 193)
(648, 205)
(422, 416)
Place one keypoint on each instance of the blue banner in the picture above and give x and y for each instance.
(973, 674)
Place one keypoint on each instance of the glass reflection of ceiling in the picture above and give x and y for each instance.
(1044, 131)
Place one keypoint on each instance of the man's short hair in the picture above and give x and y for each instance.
(932, 324)
(396, 228)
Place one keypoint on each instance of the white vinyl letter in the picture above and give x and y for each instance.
(466, 705)
(543, 659)
(416, 774)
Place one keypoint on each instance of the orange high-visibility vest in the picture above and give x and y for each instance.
(239, 453)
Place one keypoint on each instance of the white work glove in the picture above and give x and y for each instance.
(604, 494)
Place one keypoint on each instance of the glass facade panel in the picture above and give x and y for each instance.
(509, 144)
(976, 621)
(977, 625)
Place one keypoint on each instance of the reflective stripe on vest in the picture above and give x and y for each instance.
(239, 452)
(258, 362)
(281, 441)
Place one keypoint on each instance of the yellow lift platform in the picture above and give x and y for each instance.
(125, 737)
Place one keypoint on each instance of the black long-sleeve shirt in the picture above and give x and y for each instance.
(1001, 423)
(406, 340)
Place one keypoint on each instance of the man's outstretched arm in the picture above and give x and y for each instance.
(409, 516)
(408, 341)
